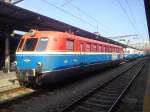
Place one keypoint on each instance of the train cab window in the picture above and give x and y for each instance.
(42, 44)
(70, 45)
(94, 48)
(88, 47)
(30, 44)
(20, 44)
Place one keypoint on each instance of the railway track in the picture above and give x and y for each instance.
(106, 97)
(49, 96)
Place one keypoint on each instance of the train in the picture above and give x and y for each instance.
(132, 53)
(53, 56)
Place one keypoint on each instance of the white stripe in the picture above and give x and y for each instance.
(47, 53)
(100, 53)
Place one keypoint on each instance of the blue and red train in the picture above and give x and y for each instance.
(51, 56)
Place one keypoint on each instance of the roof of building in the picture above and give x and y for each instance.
(13, 17)
(147, 10)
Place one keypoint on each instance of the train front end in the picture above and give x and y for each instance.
(30, 59)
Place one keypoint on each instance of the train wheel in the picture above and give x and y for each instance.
(22, 79)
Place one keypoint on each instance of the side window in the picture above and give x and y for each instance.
(107, 48)
(104, 49)
(88, 47)
(81, 47)
(100, 48)
(70, 45)
(117, 50)
(114, 49)
(110, 49)
(94, 48)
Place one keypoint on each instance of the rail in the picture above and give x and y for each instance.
(109, 90)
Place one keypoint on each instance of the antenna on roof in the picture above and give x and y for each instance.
(97, 34)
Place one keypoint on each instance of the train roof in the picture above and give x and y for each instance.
(32, 33)
(130, 47)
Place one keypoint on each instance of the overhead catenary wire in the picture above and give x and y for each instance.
(125, 12)
(132, 16)
(67, 2)
(86, 14)
(69, 13)
(130, 11)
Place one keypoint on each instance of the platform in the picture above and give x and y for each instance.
(8, 81)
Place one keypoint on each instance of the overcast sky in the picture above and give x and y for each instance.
(109, 17)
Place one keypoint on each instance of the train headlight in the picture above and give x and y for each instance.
(39, 64)
(15, 63)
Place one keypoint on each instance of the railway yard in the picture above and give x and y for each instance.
(120, 89)
(51, 64)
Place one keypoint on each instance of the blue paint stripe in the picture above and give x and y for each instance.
(55, 62)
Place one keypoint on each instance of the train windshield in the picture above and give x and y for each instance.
(42, 44)
(30, 44)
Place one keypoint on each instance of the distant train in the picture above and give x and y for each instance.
(51, 56)
(131, 53)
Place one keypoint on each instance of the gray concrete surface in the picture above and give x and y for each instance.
(8, 81)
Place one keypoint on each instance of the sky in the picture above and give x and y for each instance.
(110, 18)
